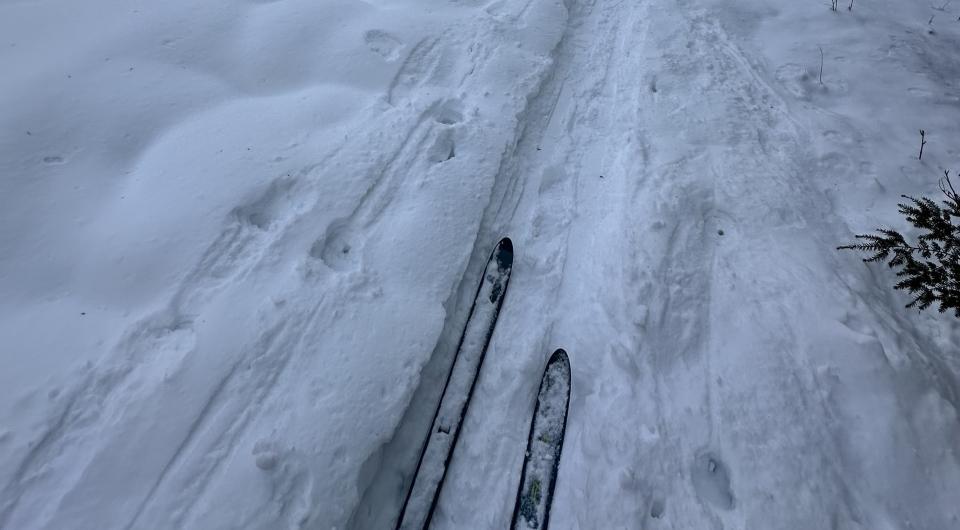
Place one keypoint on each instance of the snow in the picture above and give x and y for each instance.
(239, 241)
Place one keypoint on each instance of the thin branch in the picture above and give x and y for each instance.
(821, 64)
(946, 177)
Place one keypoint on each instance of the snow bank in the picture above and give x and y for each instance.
(229, 231)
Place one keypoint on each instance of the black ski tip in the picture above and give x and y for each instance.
(559, 356)
(504, 252)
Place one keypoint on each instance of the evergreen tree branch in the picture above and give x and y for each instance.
(928, 269)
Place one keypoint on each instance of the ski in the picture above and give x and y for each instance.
(542, 459)
(438, 448)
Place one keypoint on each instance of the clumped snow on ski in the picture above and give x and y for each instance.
(541, 461)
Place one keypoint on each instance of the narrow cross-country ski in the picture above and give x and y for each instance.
(542, 459)
(440, 443)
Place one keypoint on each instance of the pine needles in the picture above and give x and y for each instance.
(930, 269)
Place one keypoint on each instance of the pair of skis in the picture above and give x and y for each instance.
(545, 442)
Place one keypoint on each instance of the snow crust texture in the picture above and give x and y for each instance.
(239, 241)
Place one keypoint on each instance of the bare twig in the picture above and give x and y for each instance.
(821, 64)
(923, 142)
(952, 194)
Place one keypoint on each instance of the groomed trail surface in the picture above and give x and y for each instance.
(240, 241)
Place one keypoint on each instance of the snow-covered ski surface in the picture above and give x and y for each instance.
(541, 461)
(455, 399)
(239, 240)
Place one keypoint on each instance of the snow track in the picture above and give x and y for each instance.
(637, 241)
(274, 273)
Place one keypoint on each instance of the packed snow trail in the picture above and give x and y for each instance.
(239, 249)
(668, 208)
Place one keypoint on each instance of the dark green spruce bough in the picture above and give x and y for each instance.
(930, 270)
(542, 460)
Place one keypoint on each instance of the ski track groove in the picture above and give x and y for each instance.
(40, 451)
(264, 388)
(277, 349)
(505, 197)
(218, 264)
(185, 443)
(232, 254)
(419, 70)
(560, 200)
(419, 64)
(814, 394)
(503, 191)
(735, 61)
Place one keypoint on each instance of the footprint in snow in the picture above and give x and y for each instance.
(447, 112)
(291, 482)
(443, 148)
(657, 507)
(383, 44)
(711, 480)
(266, 455)
(270, 205)
(336, 248)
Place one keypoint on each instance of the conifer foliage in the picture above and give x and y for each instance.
(930, 269)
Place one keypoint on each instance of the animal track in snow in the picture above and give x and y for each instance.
(430, 140)
(711, 480)
(263, 211)
(804, 82)
(266, 455)
(443, 148)
(383, 43)
(335, 248)
(291, 481)
(657, 507)
(448, 112)
(172, 343)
